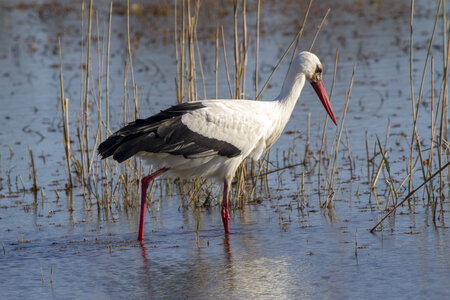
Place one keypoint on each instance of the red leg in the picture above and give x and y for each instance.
(225, 213)
(144, 185)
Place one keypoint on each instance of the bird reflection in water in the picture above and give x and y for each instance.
(227, 249)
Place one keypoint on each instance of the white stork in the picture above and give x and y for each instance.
(211, 138)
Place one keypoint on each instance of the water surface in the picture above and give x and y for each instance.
(56, 245)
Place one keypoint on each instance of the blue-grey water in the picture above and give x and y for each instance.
(57, 245)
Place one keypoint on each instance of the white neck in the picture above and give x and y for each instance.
(292, 87)
(285, 103)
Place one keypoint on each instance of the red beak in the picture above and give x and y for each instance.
(322, 93)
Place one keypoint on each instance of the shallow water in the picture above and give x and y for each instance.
(64, 248)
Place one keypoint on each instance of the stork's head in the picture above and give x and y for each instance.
(310, 65)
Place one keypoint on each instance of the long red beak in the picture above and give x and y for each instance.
(322, 93)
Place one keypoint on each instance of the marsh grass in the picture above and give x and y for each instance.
(107, 185)
(438, 150)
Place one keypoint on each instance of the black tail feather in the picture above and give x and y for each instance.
(107, 148)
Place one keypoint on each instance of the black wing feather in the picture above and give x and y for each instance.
(164, 133)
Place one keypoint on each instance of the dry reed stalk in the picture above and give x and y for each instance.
(300, 33)
(444, 29)
(432, 132)
(303, 190)
(226, 62)
(108, 55)
(323, 146)
(65, 118)
(385, 163)
(21, 182)
(445, 54)
(200, 64)
(191, 67)
(386, 137)
(368, 158)
(415, 134)
(278, 64)
(192, 24)
(34, 188)
(401, 184)
(100, 57)
(124, 178)
(80, 127)
(130, 52)
(236, 81)
(182, 51)
(216, 68)
(375, 154)
(411, 80)
(384, 153)
(308, 135)
(82, 60)
(443, 154)
(82, 165)
(98, 135)
(136, 102)
(178, 77)
(175, 39)
(86, 92)
(332, 180)
(258, 22)
(441, 113)
(295, 40)
(265, 179)
(135, 175)
(350, 157)
(318, 29)
(125, 94)
(244, 47)
(262, 163)
(106, 168)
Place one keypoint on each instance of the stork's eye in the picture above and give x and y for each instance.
(319, 70)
